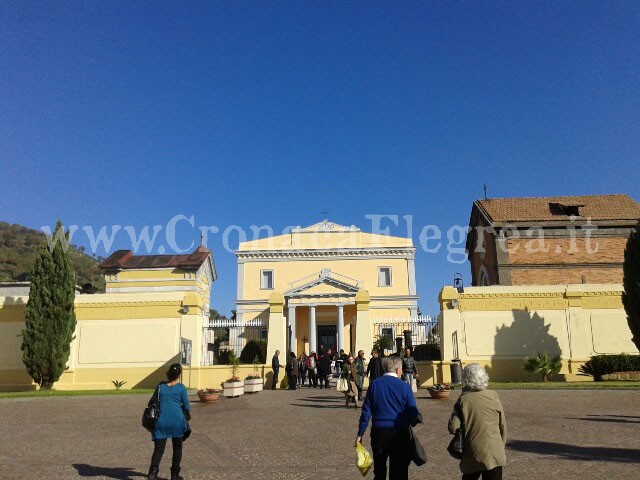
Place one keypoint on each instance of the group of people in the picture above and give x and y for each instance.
(389, 404)
(314, 368)
(391, 407)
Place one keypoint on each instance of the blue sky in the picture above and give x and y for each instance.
(267, 113)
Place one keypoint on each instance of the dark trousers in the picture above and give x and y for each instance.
(313, 379)
(158, 452)
(392, 444)
(325, 379)
(276, 372)
(495, 474)
(292, 382)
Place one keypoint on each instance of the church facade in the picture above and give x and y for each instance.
(325, 285)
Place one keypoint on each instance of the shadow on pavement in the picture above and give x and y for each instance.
(327, 400)
(576, 452)
(606, 419)
(319, 406)
(85, 470)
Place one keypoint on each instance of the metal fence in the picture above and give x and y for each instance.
(220, 337)
(420, 334)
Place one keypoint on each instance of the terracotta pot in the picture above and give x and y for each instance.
(208, 397)
(439, 393)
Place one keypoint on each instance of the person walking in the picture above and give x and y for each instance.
(480, 413)
(275, 366)
(312, 370)
(374, 368)
(409, 369)
(324, 369)
(359, 363)
(391, 407)
(341, 360)
(350, 374)
(302, 369)
(172, 422)
(292, 370)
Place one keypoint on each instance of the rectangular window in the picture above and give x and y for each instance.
(384, 276)
(266, 279)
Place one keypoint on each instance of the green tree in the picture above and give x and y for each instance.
(541, 364)
(50, 319)
(382, 343)
(631, 283)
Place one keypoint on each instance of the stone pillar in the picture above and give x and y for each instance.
(276, 336)
(292, 324)
(364, 330)
(580, 339)
(340, 330)
(192, 319)
(313, 347)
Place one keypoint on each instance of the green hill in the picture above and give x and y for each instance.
(19, 247)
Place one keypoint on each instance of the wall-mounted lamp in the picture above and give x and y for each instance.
(185, 309)
(457, 283)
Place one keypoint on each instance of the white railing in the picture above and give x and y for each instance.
(227, 323)
(420, 320)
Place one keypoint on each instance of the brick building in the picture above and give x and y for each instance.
(550, 240)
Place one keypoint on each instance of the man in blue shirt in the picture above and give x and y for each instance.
(392, 407)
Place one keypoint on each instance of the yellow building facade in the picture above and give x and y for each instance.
(324, 285)
(498, 326)
(153, 306)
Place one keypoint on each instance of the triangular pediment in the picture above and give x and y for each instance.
(327, 226)
(322, 284)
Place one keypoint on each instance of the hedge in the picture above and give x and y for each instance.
(252, 349)
(600, 365)
(426, 352)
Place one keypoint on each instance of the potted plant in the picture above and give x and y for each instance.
(209, 395)
(440, 390)
(253, 383)
(234, 386)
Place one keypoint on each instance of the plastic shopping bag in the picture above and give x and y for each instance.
(342, 385)
(363, 459)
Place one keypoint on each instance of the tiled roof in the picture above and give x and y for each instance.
(124, 259)
(596, 207)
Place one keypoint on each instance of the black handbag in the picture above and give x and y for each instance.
(418, 455)
(187, 432)
(456, 444)
(152, 411)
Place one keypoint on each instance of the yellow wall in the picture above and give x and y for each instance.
(365, 270)
(499, 326)
(344, 254)
(124, 336)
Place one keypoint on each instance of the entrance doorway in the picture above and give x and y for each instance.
(327, 336)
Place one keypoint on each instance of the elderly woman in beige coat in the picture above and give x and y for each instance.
(485, 428)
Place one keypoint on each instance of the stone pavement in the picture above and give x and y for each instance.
(309, 434)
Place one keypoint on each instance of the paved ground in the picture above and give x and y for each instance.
(564, 434)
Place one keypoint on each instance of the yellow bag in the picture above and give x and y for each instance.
(363, 459)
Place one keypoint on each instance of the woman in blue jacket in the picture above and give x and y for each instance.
(172, 422)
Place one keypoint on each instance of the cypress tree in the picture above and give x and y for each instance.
(631, 283)
(50, 319)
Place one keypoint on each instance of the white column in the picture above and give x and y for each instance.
(292, 324)
(312, 329)
(340, 331)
